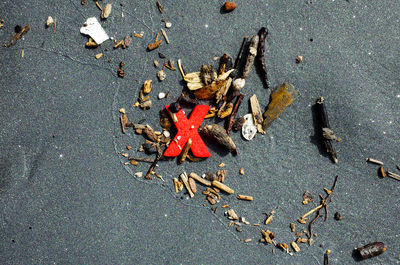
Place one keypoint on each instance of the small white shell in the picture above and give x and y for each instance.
(249, 130)
(238, 84)
(166, 134)
(161, 95)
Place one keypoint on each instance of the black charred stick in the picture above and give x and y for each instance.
(324, 124)
(154, 164)
(240, 55)
(225, 64)
(231, 120)
(260, 54)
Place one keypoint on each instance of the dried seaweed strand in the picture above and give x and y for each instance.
(260, 54)
(323, 204)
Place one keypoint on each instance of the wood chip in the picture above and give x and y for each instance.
(192, 184)
(222, 186)
(247, 240)
(98, 56)
(200, 179)
(295, 246)
(245, 197)
(301, 240)
(211, 200)
(241, 171)
(184, 179)
(257, 114)
(165, 36)
(292, 227)
(232, 215)
(374, 161)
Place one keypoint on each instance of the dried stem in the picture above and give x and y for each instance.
(153, 165)
(234, 112)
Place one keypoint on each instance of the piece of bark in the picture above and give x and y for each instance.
(280, 99)
(251, 55)
(257, 114)
(124, 122)
(325, 127)
(218, 134)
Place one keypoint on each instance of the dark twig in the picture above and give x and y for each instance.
(153, 165)
(240, 55)
(324, 123)
(260, 54)
(234, 112)
(141, 159)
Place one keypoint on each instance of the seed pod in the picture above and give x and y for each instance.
(371, 250)
(218, 134)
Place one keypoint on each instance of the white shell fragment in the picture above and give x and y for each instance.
(249, 130)
(166, 134)
(93, 28)
(161, 75)
(49, 21)
(238, 84)
(168, 25)
(105, 13)
(161, 95)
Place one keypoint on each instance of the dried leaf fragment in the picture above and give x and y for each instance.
(154, 45)
(147, 86)
(280, 99)
(208, 91)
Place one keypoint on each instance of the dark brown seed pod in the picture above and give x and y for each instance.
(218, 134)
(371, 250)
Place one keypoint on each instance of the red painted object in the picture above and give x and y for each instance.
(188, 128)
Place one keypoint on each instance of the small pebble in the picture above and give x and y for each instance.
(139, 174)
(299, 59)
(229, 6)
(168, 25)
(238, 84)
